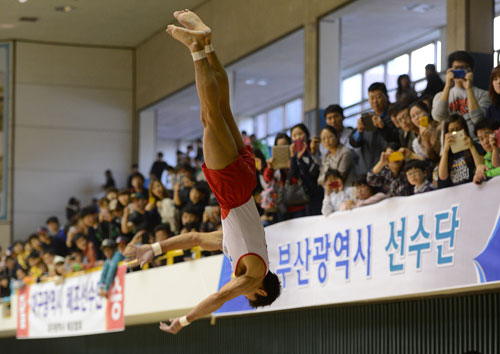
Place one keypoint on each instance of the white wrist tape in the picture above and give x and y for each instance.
(209, 48)
(198, 55)
(184, 322)
(157, 248)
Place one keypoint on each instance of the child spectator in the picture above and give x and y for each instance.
(416, 173)
(457, 168)
(113, 257)
(335, 194)
(428, 142)
(112, 193)
(35, 243)
(109, 226)
(138, 184)
(87, 249)
(387, 175)
(59, 266)
(124, 197)
(189, 219)
(139, 218)
(34, 264)
(338, 157)
(365, 195)
(463, 98)
(491, 167)
(211, 218)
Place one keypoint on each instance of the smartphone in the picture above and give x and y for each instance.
(281, 156)
(334, 184)
(367, 120)
(459, 73)
(298, 145)
(258, 164)
(396, 156)
(497, 135)
(424, 122)
(458, 143)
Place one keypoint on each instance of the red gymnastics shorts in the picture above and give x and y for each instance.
(234, 184)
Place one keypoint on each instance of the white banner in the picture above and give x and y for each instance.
(72, 308)
(436, 241)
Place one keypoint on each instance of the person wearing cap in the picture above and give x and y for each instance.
(113, 257)
(60, 266)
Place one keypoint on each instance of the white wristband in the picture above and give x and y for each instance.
(198, 55)
(157, 248)
(209, 48)
(184, 321)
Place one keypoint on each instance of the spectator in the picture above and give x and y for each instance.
(113, 257)
(159, 166)
(199, 151)
(53, 227)
(373, 142)
(335, 194)
(303, 167)
(112, 193)
(334, 117)
(87, 248)
(59, 266)
(434, 82)
(491, 167)
(416, 173)
(124, 197)
(494, 91)
(184, 183)
(72, 208)
(110, 181)
(10, 266)
(246, 139)
(314, 146)
(138, 184)
(457, 168)
(405, 93)
(257, 144)
(134, 169)
(428, 143)
(34, 264)
(338, 157)
(139, 218)
(162, 232)
(76, 260)
(388, 176)
(48, 257)
(109, 226)
(463, 98)
(407, 130)
(35, 243)
(56, 244)
(211, 217)
(190, 219)
(159, 199)
(4, 287)
(365, 195)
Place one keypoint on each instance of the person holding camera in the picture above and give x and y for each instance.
(374, 130)
(335, 193)
(459, 95)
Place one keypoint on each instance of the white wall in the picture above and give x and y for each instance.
(169, 149)
(73, 121)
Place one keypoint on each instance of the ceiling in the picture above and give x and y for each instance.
(273, 75)
(123, 23)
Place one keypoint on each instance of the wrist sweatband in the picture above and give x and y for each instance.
(209, 48)
(198, 55)
(184, 322)
(157, 248)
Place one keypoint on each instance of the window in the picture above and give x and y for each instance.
(246, 124)
(293, 113)
(372, 75)
(419, 59)
(396, 67)
(261, 123)
(275, 120)
(351, 90)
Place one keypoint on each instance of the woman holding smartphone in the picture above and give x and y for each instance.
(428, 143)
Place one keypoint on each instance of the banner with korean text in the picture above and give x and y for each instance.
(71, 308)
(406, 246)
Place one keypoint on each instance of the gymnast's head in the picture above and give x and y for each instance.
(267, 293)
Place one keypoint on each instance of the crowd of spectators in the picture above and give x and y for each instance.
(445, 137)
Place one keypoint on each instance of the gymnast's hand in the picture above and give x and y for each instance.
(143, 254)
(174, 327)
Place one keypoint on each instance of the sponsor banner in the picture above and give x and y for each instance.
(406, 246)
(72, 308)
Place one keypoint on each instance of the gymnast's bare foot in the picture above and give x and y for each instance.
(194, 40)
(192, 21)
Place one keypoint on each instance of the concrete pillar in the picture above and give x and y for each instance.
(329, 62)
(311, 112)
(470, 28)
(147, 140)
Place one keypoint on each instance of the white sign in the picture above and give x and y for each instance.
(72, 308)
(441, 240)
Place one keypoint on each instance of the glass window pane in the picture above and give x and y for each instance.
(438, 64)
(276, 120)
(420, 86)
(293, 112)
(352, 114)
(395, 67)
(261, 121)
(351, 90)
(246, 124)
(375, 74)
(419, 59)
(496, 33)
(270, 140)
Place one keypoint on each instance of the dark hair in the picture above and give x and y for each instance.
(160, 154)
(302, 127)
(455, 117)
(418, 164)
(137, 174)
(202, 187)
(491, 124)
(393, 146)
(52, 219)
(400, 78)
(32, 236)
(331, 130)
(89, 210)
(163, 227)
(334, 173)
(272, 286)
(135, 165)
(379, 86)
(111, 190)
(495, 97)
(34, 254)
(431, 67)
(191, 210)
(282, 136)
(361, 181)
(422, 105)
(259, 154)
(398, 108)
(460, 55)
(334, 108)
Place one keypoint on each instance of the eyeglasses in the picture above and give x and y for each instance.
(413, 173)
